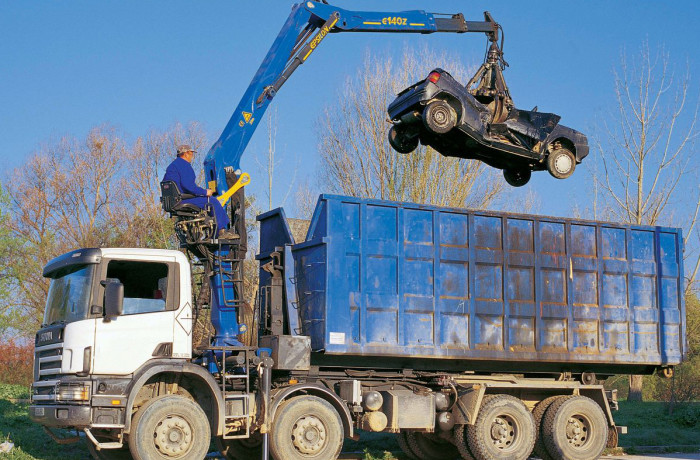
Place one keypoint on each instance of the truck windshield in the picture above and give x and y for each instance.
(69, 295)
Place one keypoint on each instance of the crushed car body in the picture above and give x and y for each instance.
(479, 121)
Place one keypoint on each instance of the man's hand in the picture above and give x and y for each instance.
(210, 192)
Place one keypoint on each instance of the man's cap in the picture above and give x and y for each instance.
(184, 148)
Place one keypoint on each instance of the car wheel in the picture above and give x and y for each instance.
(561, 163)
(401, 141)
(439, 117)
(517, 177)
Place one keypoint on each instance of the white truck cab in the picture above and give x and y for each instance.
(85, 354)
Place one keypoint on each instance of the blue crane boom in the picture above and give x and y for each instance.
(307, 25)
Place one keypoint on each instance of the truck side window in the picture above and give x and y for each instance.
(145, 284)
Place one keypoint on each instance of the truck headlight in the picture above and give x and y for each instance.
(73, 392)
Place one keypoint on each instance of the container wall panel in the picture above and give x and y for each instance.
(399, 279)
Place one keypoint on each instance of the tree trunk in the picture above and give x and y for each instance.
(635, 393)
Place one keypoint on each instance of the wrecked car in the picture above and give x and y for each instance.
(479, 121)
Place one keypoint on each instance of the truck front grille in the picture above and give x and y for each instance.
(47, 361)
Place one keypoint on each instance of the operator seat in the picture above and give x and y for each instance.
(171, 199)
(193, 224)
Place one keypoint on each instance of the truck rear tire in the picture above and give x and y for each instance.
(306, 427)
(461, 442)
(538, 415)
(169, 427)
(504, 429)
(428, 446)
(240, 449)
(402, 440)
(575, 428)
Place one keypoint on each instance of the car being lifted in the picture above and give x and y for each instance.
(479, 121)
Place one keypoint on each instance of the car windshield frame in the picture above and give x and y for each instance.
(69, 295)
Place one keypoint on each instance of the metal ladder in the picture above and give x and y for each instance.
(230, 270)
(227, 378)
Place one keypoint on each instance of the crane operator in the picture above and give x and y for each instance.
(181, 172)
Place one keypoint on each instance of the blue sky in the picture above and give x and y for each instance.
(68, 66)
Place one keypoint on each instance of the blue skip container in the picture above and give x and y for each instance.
(430, 287)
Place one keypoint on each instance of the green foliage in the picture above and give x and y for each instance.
(8, 391)
(650, 424)
(687, 415)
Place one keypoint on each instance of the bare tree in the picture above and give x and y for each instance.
(356, 158)
(648, 161)
(272, 160)
(100, 191)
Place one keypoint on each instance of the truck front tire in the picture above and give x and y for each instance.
(169, 427)
(306, 427)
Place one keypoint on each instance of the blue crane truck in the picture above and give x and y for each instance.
(467, 334)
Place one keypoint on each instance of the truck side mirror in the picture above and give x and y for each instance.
(114, 298)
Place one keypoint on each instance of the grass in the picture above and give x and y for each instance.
(649, 424)
(31, 442)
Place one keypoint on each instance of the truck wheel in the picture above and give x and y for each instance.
(461, 442)
(401, 141)
(240, 449)
(504, 429)
(575, 428)
(306, 427)
(561, 163)
(405, 447)
(439, 117)
(427, 446)
(517, 177)
(169, 427)
(538, 415)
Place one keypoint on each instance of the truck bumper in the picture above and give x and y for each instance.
(60, 415)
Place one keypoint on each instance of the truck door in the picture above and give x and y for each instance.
(145, 329)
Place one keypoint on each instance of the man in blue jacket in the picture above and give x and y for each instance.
(180, 171)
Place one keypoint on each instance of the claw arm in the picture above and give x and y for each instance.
(307, 25)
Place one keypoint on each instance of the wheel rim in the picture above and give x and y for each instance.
(578, 429)
(173, 436)
(309, 435)
(441, 116)
(562, 164)
(504, 432)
